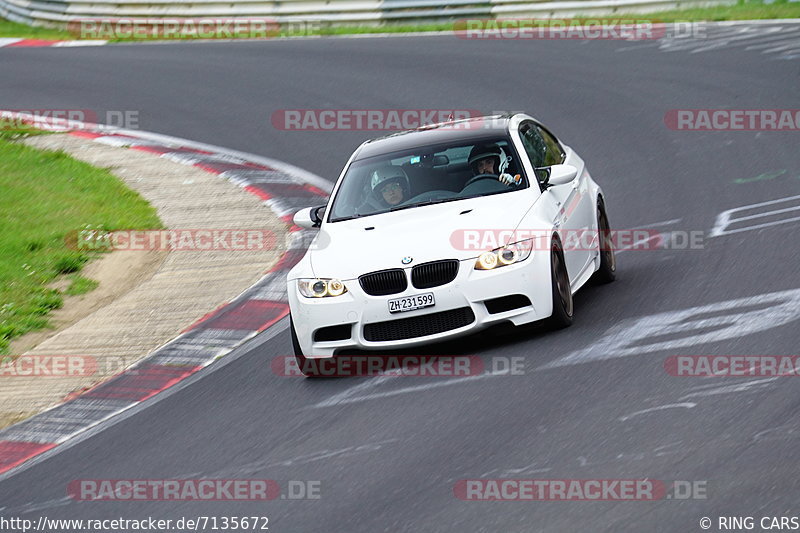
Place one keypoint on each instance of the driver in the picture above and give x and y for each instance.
(487, 159)
(389, 187)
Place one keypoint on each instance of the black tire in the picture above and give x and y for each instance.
(563, 306)
(608, 261)
(298, 351)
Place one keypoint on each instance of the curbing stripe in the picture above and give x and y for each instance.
(149, 149)
(219, 332)
(32, 42)
(290, 259)
(250, 315)
(140, 383)
(20, 42)
(220, 167)
(85, 134)
(205, 317)
(264, 195)
(13, 453)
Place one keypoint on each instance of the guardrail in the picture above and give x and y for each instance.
(376, 13)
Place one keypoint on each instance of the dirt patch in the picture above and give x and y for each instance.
(116, 272)
(9, 419)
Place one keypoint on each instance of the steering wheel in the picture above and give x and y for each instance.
(481, 177)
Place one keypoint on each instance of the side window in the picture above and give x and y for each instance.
(535, 147)
(534, 144)
(554, 155)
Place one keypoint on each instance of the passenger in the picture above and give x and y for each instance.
(389, 187)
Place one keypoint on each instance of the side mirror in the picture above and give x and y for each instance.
(561, 175)
(309, 217)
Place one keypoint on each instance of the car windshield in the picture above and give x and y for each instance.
(428, 175)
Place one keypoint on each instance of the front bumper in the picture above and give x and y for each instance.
(467, 292)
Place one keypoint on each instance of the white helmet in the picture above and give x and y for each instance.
(387, 174)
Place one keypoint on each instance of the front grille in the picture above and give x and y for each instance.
(433, 274)
(419, 326)
(384, 282)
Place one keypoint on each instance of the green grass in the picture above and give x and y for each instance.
(14, 29)
(750, 10)
(754, 10)
(11, 131)
(46, 198)
(80, 285)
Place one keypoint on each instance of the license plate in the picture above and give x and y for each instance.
(409, 303)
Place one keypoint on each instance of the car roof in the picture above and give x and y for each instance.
(444, 132)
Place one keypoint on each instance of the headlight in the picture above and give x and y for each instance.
(486, 261)
(320, 288)
(507, 255)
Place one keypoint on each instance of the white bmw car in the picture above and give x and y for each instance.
(442, 231)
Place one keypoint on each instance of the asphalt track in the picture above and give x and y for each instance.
(389, 452)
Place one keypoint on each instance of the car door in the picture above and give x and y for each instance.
(572, 214)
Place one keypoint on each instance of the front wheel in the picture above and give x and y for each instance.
(608, 261)
(299, 356)
(562, 293)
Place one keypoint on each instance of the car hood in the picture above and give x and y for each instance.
(347, 249)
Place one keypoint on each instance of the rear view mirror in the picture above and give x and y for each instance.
(430, 160)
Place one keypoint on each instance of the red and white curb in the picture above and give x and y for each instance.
(20, 42)
(284, 189)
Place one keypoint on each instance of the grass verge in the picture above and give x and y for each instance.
(754, 10)
(15, 29)
(46, 197)
(749, 10)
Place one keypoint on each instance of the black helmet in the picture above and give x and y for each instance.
(482, 151)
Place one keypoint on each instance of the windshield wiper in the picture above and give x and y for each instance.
(351, 217)
(427, 202)
(398, 208)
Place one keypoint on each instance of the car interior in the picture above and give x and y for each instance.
(436, 174)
